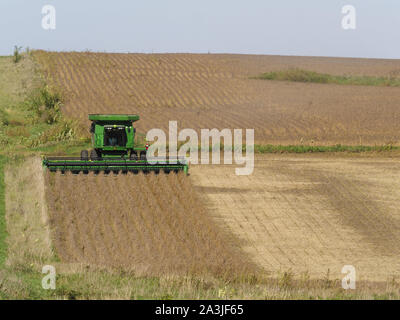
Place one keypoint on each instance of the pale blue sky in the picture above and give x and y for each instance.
(284, 27)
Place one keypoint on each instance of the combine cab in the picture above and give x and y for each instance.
(114, 150)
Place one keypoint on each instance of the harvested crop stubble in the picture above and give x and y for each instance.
(311, 213)
(146, 223)
(215, 91)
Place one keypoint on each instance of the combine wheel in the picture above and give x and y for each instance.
(84, 155)
(142, 155)
(133, 156)
(93, 155)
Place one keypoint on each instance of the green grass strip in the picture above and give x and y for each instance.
(3, 229)
(273, 148)
(300, 75)
(269, 148)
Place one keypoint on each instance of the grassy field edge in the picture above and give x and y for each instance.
(3, 227)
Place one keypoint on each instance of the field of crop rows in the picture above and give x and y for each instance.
(214, 91)
(301, 213)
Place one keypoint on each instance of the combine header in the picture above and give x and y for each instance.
(114, 150)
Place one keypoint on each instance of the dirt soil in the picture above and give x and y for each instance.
(311, 214)
(214, 91)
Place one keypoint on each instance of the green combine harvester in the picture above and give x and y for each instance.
(114, 150)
